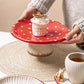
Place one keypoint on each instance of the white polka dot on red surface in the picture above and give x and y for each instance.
(55, 26)
(51, 35)
(13, 25)
(29, 23)
(59, 33)
(22, 26)
(19, 37)
(47, 28)
(52, 20)
(37, 38)
(21, 30)
(30, 32)
(62, 28)
(55, 40)
(29, 28)
(55, 31)
(57, 37)
(23, 33)
(63, 37)
(47, 38)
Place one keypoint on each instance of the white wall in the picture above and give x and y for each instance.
(10, 10)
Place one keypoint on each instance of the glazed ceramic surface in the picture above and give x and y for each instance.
(55, 33)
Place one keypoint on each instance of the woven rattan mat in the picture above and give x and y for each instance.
(14, 59)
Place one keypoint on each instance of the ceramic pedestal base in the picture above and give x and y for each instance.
(40, 50)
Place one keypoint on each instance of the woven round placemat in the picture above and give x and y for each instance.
(14, 59)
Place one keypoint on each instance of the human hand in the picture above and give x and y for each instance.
(27, 14)
(75, 36)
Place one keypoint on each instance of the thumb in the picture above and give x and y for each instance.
(75, 30)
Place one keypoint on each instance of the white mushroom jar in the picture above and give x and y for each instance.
(39, 24)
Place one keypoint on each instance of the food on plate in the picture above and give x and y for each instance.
(39, 24)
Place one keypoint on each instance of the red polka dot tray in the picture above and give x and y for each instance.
(55, 32)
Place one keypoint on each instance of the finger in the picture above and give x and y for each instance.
(75, 35)
(74, 31)
(80, 37)
(77, 39)
(68, 42)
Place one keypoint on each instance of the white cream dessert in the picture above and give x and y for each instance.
(39, 24)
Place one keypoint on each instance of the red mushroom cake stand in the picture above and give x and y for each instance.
(40, 45)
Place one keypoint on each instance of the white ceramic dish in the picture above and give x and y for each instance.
(20, 80)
